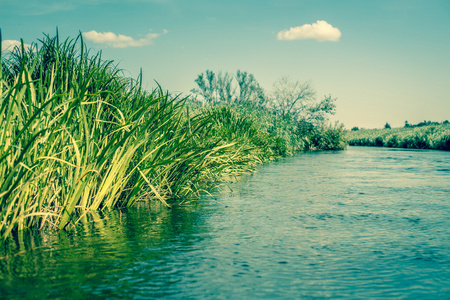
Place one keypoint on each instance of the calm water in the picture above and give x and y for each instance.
(360, 223)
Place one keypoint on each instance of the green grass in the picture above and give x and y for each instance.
(77, 136)
(425, 137)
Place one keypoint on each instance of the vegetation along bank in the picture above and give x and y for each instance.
(76, 135)
(425, 135)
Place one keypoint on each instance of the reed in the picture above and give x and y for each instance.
(77, 136)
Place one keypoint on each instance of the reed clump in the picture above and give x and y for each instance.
(77, 136)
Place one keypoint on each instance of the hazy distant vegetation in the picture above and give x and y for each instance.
(424, 135)
(76, 135)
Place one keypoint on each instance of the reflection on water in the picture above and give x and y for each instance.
(108, 255)
(361, 223)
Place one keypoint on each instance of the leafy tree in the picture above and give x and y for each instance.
(424, 123)
(212, 88)
(355, 128)
(225, 87)
(249, 89)
(317, 113)
(297, 100)
(387, 126)
(290, 97)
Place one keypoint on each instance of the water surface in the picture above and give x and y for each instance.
(360, 223)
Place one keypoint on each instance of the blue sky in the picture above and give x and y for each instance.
(385, 61)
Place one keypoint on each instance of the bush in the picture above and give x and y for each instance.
(329, 138)
(392, 141)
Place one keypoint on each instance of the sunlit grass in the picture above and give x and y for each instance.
(77, 136)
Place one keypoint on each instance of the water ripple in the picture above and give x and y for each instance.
(362, 223)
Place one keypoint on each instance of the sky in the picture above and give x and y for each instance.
(384, 60)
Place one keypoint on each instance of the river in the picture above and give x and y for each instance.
(360, 223)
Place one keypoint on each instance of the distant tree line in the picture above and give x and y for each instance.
(408, 125)
(424, 123)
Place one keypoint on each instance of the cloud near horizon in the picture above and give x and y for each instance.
(119, 40)
(320, 31)
(9, 45)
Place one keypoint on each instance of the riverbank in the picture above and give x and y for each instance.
(77, 135)
(436, 136)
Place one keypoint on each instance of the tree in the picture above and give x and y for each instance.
(290, 97)
(318, 112)
(297, 100)
(387, 126)
(249, 89)
(217, 88)
(212, 88)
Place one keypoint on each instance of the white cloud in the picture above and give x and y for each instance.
(118, 40)
(320, 31)
(9, 45)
